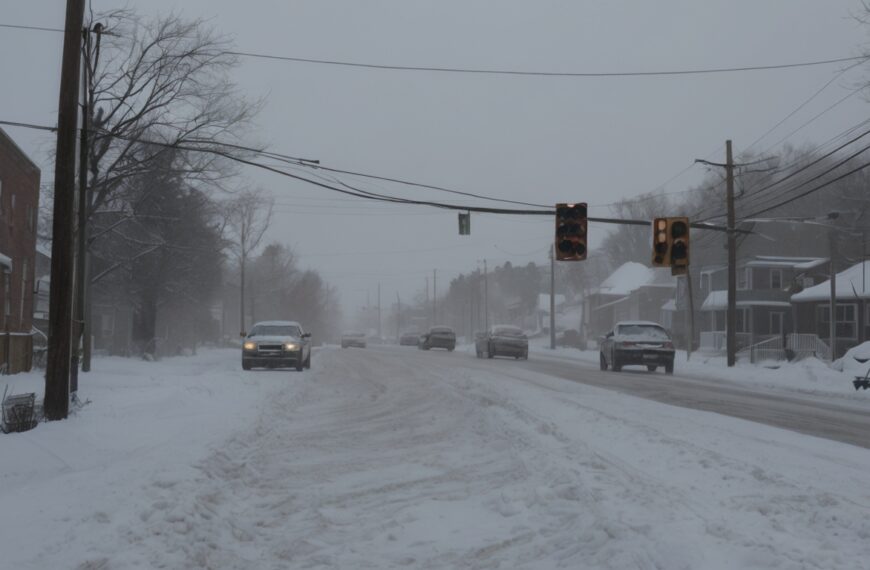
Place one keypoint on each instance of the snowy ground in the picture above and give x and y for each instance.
(397, 458)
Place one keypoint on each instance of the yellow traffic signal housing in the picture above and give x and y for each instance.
(678, 228)
(671, 243)
(661, 254)
(571, 224)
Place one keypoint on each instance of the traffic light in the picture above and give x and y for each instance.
(571, 232)
(661, 247)
(671, 243)
(679, 230)
(464, 223)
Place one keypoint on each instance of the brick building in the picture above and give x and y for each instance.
(19, 205)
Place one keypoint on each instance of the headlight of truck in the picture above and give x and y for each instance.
(291, 346)
(250, 346)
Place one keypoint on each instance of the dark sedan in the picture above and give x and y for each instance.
(438, 337)
(502, 340)
(637, 343)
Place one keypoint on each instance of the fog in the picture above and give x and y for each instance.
(534, 139)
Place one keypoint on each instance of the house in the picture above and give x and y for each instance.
(764, 287)
(632, 292)
(19, 206)
(812, 309)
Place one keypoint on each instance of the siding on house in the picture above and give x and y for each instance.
(19, 206)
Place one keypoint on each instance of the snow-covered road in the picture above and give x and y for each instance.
(397, 458)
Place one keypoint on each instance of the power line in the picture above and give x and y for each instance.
(39, 28)
(529, 73)
(811, 190)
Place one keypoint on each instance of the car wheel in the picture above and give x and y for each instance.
(300, 364)
(602, 362)
(669, 367)
(525, 356)
(617, 367)
(308, 361)
(489, 352)
(246, 365)
(451, 349)
(651, 368)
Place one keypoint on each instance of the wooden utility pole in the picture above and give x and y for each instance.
(81, 234)
(731, 321)
(691, 315)
(434, 296)
(380, 336)
(56, 403)
(832, 240)
(485, 297)
(552, 299)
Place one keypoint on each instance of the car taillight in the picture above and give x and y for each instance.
(669, 345)
(626, 344)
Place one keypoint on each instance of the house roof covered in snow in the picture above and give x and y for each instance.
(631, 276)
(852, 282)
(718, 301)
(799, 263)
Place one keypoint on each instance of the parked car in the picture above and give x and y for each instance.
(276, 344)
(438, 337)
(409, 339)
(353, 338)
(641, 343)
(502, 340)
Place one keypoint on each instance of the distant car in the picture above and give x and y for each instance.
(438, 337)
(409, 339)
(276, 344)
(641, 343)
(353, 338)
(502, 340)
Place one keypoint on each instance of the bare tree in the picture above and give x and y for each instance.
(247, 217)
(158, 87)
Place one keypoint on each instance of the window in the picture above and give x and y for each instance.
(30, 217)
(744, 279)
(776, 323)
(776, 278)
(742, 324)
(847, 324)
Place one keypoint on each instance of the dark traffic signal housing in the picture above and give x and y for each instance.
(571, 232)
(670, 242)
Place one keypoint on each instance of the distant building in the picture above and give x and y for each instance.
(19, 206)
(812, 309)
(632, 292)
(765, 284)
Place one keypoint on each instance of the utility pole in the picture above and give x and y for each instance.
(427, 298)
(552, 299)
(485, 296)
(379, 311)
(81, 235)
(832, 240)
(691, 315)
(56, 403)
(398, 317)
(434, 296)
(731, 321)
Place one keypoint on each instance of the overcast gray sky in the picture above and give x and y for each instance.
(534, 139)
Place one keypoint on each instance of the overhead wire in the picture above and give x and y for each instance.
(532, 73)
